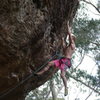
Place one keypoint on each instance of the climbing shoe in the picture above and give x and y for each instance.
(66, 91)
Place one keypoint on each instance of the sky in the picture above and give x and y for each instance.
(92, 12)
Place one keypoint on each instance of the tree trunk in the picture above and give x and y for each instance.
(53, 91)
(30, 33)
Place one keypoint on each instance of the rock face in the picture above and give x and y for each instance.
(30, 33)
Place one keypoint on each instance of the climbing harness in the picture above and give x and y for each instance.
(6, 92)
(67, 63)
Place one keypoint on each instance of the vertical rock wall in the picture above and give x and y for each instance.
(30, 33)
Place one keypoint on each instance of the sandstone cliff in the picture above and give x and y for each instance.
(30, 33)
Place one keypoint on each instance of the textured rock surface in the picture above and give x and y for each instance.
(30, 32)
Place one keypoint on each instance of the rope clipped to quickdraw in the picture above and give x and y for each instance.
(59, 55)
(56, 54)
(28, 77)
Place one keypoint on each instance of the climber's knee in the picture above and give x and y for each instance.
(51, 64)
(62, 74)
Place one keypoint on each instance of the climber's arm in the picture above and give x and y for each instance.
(63, 43)
(69, 33)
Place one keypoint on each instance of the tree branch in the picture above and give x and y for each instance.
(91, 5)
(82, 83)
(89, 95)
(97, 44)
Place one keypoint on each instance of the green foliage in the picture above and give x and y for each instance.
(86, 32)
(90, 79)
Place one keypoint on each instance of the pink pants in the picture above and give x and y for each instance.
(62, 63)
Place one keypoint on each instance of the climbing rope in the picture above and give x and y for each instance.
(27, 78)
